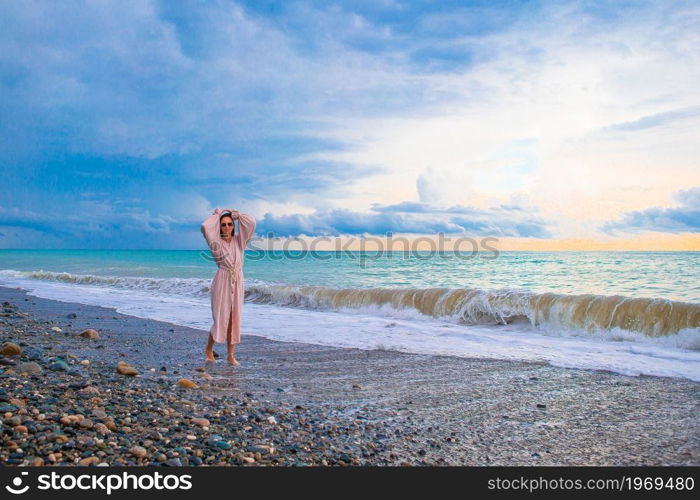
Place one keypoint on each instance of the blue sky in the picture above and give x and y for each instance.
(124, 123)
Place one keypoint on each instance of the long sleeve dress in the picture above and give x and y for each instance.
(227, 284)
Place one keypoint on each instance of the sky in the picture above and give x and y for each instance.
(548, 125)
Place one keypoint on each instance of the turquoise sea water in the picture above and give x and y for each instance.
(669, 275)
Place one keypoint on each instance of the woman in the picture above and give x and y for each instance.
(228, 250)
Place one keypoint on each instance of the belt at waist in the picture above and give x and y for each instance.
(232, 273)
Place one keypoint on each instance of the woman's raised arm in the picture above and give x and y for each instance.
(246, 226)
(210, 227)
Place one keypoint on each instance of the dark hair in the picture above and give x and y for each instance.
(228, 214)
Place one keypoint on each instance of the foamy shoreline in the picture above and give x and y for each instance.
(433, 409)
(408, 322)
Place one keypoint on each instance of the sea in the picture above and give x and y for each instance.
(632, 313)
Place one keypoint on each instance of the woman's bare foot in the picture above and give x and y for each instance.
(209, 351)
(233, 361)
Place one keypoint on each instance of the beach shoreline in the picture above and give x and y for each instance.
(331, 405)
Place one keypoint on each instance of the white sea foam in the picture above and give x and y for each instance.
(384, 327)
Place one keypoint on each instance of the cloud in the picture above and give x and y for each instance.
(541, 91)
(683, 218)
(410, 218)
(657, 119)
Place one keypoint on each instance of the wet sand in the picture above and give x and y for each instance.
(353, 406)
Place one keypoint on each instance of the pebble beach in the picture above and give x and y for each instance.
(88, 386)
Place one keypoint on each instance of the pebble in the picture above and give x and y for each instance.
(155, 435)
(101, 428)
(10, 349)
(101, 414)
(221, 444)
(258, 449)
(90, 334)
(13, 421)
(89, 461)
(31, 367)
(187, 383)
(125, 368)
(86, 423)
(34, 353)
(59, 365)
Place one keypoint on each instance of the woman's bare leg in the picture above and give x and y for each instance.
(231, 347)
(231, 358)
(210, 348)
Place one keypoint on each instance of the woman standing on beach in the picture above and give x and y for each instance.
(227, 249)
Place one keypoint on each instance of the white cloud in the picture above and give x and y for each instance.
(558, 81)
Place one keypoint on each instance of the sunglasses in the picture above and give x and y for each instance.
(227, 223)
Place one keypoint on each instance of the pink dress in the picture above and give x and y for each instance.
(227, 284)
